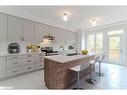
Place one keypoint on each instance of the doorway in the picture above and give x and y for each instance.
(115, 47)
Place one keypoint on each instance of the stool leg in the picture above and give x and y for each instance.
(99, 73)
(78, 81)
(90, 80)
(78, 76)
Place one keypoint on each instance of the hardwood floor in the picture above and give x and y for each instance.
(115, 78)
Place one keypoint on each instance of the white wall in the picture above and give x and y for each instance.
(80, 40)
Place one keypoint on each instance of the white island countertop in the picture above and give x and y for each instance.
(64, 58)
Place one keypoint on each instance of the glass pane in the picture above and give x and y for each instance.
(91, 43)
(115, 32)
(114, 48)
(99, 43)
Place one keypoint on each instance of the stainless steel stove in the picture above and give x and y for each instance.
(49, 51)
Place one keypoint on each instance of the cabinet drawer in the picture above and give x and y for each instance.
(2, 69)
(28, 68)
(29, 55)
(14, 71)
(12, 57)
(39, 66)
(12, 63)
(30, 61)
(18, 63)
(3, 75)
(40, 59)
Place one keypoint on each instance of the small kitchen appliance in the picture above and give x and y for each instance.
(13, 48)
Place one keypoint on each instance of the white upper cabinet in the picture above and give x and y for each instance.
(71, 37)
(60, 36)
(28, 31)
(46, 29)
(14, 28)
(3, 27)
(39, 32)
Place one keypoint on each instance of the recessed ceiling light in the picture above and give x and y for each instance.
(65, 17)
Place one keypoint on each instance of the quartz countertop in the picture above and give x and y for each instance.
(7, 54)
(64, 58)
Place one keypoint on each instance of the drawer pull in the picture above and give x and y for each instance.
(14, 57)
(40, 65)
(15, 63)
(29, 61)
(40, 60)
(15, 71)
(29, 68)
(29, 56)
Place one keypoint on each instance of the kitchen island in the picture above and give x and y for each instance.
(57, 74)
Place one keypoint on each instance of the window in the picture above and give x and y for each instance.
(99, 43)
(95, 43)
(115, 32)
(90, 43)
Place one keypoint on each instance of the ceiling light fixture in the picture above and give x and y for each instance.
(65, 17)
(93, 22)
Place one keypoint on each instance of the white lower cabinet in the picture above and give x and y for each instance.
(21, 63)
(39, 61)
(2, 67)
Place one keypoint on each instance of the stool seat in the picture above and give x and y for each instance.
(92, 61)
(76, 68)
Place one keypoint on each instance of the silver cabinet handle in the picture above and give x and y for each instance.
(22, 38)
(29, 61)
(14, 57)
(29, 68)
(40, 55)
(15, 71)
(15, 63)
(41, 60)
(40, 65)
(29, 56)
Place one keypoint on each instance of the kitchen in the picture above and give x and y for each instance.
(47, 52)
(22, 51)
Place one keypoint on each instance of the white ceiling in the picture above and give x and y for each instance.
(79, 16)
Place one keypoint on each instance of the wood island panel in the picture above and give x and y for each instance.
(59, 76)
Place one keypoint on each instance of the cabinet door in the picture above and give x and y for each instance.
(14, 28)
(28, 31)
(2, 67)
(71, 37)
(3, 27)
(60, 36)
(46, 29)
(39, 32)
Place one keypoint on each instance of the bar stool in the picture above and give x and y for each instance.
(100, 73)
(77, 69)
(92, 62)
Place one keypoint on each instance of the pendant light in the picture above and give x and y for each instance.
(93, 22)
(65, 17)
